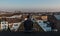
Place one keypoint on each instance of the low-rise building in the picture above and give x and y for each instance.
(15, 26)
(4, 25)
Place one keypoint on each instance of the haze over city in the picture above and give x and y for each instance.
(30, 5)
(29, 16)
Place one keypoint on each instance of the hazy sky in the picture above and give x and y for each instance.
(17, 4)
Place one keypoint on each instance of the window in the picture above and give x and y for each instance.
(16, 25)
(3, 23)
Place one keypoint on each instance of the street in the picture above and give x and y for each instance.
(29, 34)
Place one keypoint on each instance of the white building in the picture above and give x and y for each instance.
(15, 26)
(4, 25)
(15, 16)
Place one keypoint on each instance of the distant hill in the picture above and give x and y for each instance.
(32, 10)
(4, 13)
